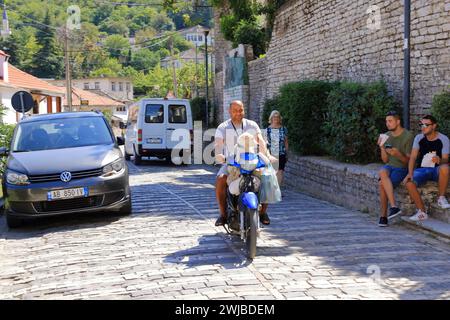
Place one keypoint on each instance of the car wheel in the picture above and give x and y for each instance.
(127, 208)
(13, 222)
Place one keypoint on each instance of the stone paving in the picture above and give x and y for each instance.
(169, 249)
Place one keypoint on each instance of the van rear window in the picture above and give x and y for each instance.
(177, 114)
(154, 113)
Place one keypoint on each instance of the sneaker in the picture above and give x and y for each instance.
(443, 203)
(393, 212)
(383, 222)
(419, 216)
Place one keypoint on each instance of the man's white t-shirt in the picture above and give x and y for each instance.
(230, 134)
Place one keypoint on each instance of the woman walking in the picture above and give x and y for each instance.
(277, 142)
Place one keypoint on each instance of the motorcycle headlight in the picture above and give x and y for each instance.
(16, 178)
(113, 167)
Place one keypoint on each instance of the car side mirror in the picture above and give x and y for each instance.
(122, 125)
(120, 141)
(4, 152)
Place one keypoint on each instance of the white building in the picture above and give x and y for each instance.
(119, 88)
(196, 35)
(47, 97)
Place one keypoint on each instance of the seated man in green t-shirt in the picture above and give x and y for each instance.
(395, 147)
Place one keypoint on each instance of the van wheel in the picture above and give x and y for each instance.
(13, 222)
(137, 159)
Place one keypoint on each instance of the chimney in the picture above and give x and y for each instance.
(4, 66)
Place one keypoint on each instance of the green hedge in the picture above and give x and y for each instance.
(440, 109)
(356, 116)
(330, 118)
(303, 106)
(269, 106)
(198, 106)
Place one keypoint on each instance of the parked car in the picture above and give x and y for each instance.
(155, 127)
(64, 163)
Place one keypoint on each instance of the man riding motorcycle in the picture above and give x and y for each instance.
(225, 140)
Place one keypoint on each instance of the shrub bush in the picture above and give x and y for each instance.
(440, 109)
(6, 133)
(269, 106)
(303, 106)
(355, 118)
(250, 33)
(198, 105)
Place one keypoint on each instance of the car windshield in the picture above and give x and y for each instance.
(61, 133)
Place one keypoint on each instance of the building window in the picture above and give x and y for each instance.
(113, 86)
(86, 85)
(97, 85)
(200, 38)
(128, 87)
(120, 86)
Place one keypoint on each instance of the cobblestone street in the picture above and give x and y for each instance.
(168, 248)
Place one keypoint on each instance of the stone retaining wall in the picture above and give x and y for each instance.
(352, 186)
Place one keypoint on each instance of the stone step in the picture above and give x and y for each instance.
(439, 213)
(431, 226)
(429, 193)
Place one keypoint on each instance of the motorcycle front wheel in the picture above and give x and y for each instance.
(252, 216)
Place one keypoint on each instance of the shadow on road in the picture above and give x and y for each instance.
(348, 242)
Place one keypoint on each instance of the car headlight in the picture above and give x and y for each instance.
(113, 167)
(16, 178)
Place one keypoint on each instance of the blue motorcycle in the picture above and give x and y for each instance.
(243, 209)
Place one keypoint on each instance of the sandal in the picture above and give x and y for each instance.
(264, 218)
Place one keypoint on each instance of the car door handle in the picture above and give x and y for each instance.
(170, 128)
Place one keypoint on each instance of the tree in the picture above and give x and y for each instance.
(118, 27)
(110, 68)
(117, 46)
(145, 34)
(162, 22)
(48, 61)
(12, 47)
(145, 59)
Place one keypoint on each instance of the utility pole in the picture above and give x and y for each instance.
(175, 85)
(206, 76)
(196, 73)
(68, 75)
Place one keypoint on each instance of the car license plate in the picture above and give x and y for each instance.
(67, 194)
(154, 140)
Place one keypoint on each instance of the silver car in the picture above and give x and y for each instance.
(64, 163)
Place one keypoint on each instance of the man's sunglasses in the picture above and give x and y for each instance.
(424, 125)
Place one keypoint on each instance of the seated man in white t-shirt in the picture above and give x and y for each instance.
(225, 139)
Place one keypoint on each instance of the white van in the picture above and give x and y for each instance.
(157, 126)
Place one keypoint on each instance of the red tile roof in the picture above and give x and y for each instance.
(93, 98)
(20, 79)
